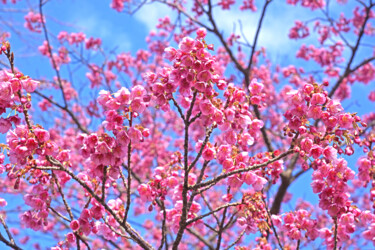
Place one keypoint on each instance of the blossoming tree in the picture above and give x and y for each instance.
(187, 145)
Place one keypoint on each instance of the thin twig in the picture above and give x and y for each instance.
(11, 241)
(272, 225)
(241, 170)
(335, 233)
(213, 211)
(236, 241)
(128, 198)
(201, 238)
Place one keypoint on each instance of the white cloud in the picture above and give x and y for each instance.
(104, 29)
(275, 28)
(149, 14)
(274, 32)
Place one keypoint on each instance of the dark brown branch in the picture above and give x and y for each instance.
(67, 207)
(213, 211)
(59, 214)
(285, 183)
(348, 71)
(216, 31)
(236, 241)
(272, 225)
(50, 51)
(240, 170)
(65, 107)
(200, 238)
(164, 226)
(195, 118)
(11, 243)
(128, 198)
(105, 168)
(335, 234)
(8, 243)
(208, 134)
(287, 178)
(128, 228)
(221, 226)
(209, 207)
(185, 206)
(256, 36)
(178, 108)
(70, 113)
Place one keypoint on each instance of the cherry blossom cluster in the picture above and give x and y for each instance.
(164, 179)
(299, 31)
(79, 38)
(57, 59)
(323, 56)
(34, 22)
(253, 214)
(294, 224)
(118, 5)
(5, 1)
(39, 200)
(312, 103)
(11, 87)
(312, 4)
(89, 221)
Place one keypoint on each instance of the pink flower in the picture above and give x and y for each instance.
(71, 238)
(29, 85)
(201, 32)
(135, 135)
(206, 107)
(306, 144)
(259, 183)
(41, 134)
(330, 153)
(300, 30)
(208, 154)
(334, 106)
(249, 177)
(317, 186)
(5, 125)
(74, 225)
(33, 22)
(315, 112)
(123, 96)
(138, 91)
(345, 120)
(289, 218)
(255, 100)
(122, 138)
(117, 5)
(227, 197)
(255, 87)
(170, 53)
(104, 97)
(144, 191)
(349, 150)
(204, 76)
(187, 44)
(316, 151)
(318, 98)
(3, 202)
(86, 214)
(137, 105)
(6, 92)
(295, 234)
(231, 137)
(102, 148)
